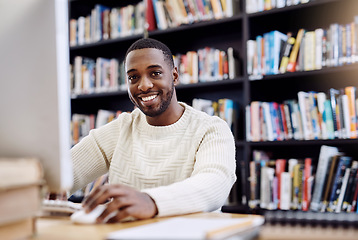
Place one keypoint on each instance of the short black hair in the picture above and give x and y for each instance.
(152, 43)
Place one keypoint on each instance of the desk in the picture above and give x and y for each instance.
(63, 228)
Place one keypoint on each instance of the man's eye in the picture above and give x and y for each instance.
(132, 78)
(156, 74)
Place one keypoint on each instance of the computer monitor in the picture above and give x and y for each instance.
(34, 91)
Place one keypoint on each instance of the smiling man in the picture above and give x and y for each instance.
(164, 158)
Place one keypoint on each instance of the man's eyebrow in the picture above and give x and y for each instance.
(149, 67)
(131, 70)
(154, 66)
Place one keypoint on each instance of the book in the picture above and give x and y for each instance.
(326, 152)
(318, 48)
(353, 205)
(328, 119)
(333, 93)
(354, 31)
(248, 123)
(321, 114)
(342, 190)
(346, 121)
(234, 64)
(313, 112)
(274, 111)
(267, 175)
(297, 185)
(343, 163)
(253, 184)
(20, 189)
(301, 56)
(291, 66)
(277, 41)
(22, 229)
(306, 117)
(307, 174)
(285, 191)
(73, 32)
(255, 123)
(87, 29)
(350, 91)
(251, 44)
(280, 168)
(329, 181)
(309, 51)
(19, 202)
(104, 117)
(350, 189)
(295, 116)
(268, 121)
(286, 52)
(30, 170)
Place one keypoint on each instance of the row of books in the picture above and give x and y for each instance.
(226, 109)
(96, 75)
(104, 22)
(253, 6)
(207, 64)
(312, 116)
(173, 13)
(276, 52)
(297, 184)
(107, 23)
(106, 75)
(82, 124)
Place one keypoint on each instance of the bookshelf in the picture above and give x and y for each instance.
(234, 32)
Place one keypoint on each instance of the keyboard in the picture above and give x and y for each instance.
(341, 219)
(59, 207)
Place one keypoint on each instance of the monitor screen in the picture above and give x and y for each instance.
(35, 92)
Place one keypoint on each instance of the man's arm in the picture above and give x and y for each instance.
(92, 155)
(205, 190)
(211, 181)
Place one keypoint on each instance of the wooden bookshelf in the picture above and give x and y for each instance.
(235, 32)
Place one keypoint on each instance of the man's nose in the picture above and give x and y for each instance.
(145, 84)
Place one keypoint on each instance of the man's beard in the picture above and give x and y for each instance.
(152, 112)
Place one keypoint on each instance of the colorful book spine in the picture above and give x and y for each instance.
(344, 162)
(326, 152)
(350, 91)
(306, 184)
(291, 66)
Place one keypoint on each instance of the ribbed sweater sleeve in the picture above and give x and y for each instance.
(211, 180)
(91, 156)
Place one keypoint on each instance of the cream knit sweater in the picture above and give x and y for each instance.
(185, 167)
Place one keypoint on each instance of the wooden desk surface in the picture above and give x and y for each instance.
(62, 228)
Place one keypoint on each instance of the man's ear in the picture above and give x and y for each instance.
(175, 76)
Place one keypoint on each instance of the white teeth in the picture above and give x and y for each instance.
(145, 99)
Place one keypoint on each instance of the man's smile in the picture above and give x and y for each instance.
(148, 98)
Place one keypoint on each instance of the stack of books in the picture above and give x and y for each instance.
(20, 196)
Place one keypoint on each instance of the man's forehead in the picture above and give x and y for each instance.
(146, 51)
(149, 56)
